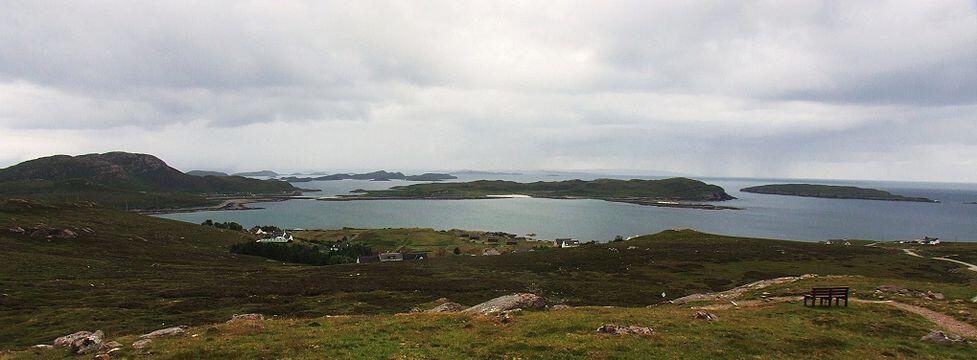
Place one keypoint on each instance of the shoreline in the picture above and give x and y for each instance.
(228, 204)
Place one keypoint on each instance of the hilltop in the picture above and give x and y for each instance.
(126, 273)
(664, 192)
(831, 192)
(124, 179)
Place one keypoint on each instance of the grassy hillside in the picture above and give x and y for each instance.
(831, 191)
(123, 180)
(420, 239)
(666, 189)
(778, 331)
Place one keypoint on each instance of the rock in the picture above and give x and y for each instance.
(889, 288)
(17, 230)
(66, 234)
(560, 307)
(139, 344)
(446, 307)
(87, 344)
(176, 331)
(103, 357)
(506, 316)
(974, 299)
(936, 295)
(246, 317)
(507, 302)
(113, 345)
(42, 347)
(707, 316)
(68, 339)
(940, 337)
(40, 233)
(624, 330)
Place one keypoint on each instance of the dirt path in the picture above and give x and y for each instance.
(944, 321)
(969, 266)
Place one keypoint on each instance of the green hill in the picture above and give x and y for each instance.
(831, 192)
(681, 189)
(127, 273)
(123, 179)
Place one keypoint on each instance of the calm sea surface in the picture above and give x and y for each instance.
(772, 216)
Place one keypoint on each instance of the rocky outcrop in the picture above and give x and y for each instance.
(70, 338)
(901, 291)
(940, 337)
(446, 307)
(88, 344)
(624, 330)
(740, 290)
(139, 344)
(176, 331)
(246, 317)
(703, 315)
(507, 302)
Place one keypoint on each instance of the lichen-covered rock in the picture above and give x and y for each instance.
(625, 330)
(246, 317)
(139, 344)
(88, 344)
(70, 338)
(507, 302)
(940, 337)
(446, 307)
(176, 331)
(707, 316)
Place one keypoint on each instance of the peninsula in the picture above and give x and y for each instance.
(832, 192)
(672, 192)
(381, 175)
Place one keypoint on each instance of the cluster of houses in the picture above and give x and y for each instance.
(926, 240)
(275, 236)
(837, 242)
(391, 257)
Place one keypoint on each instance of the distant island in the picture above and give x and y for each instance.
(257, 173)
(206, 173)
(482, 173)
(375, 176)
(132, 181)
(673, 192)
(831, 192)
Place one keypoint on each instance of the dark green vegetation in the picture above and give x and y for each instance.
(134, 273)
(681, 189)
(206, 173)
(301, 253)
(831, 191)
(229, 225)
(124, 180)
(375, 176)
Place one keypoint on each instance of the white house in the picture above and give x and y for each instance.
(281, 237)
(567, 243)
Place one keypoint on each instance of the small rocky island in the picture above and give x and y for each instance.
(831, 192)
(673, 192)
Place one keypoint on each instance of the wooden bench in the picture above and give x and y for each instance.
(822, 296)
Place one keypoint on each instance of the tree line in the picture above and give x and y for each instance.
(300, 253)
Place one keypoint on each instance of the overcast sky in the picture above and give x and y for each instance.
(841, 89)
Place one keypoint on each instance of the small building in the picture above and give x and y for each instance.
(566, 243)
(837, 242)
(391, 256)
(367, 259)
(257, 231)
(277, 237)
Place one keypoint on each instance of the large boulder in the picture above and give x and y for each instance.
(70, 338)
(625, 330)
(88, 344)
(940, 337)
(246, 317)
(507, 302)
(446, 307)
(704, 315)
(176, 331)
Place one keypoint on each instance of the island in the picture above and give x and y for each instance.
(672, 192)
(381, 175)
(831, 192)
(206, 173)
(257, 173)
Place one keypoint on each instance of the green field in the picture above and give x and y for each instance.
(133, 273)
(831, 192)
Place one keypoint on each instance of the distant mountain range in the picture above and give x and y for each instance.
(118, 178)
(375, 176)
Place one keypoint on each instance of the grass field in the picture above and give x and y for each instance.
(435, 242)
(137, 273)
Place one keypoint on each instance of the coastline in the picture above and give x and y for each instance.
(228, 204)
(636, 201)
